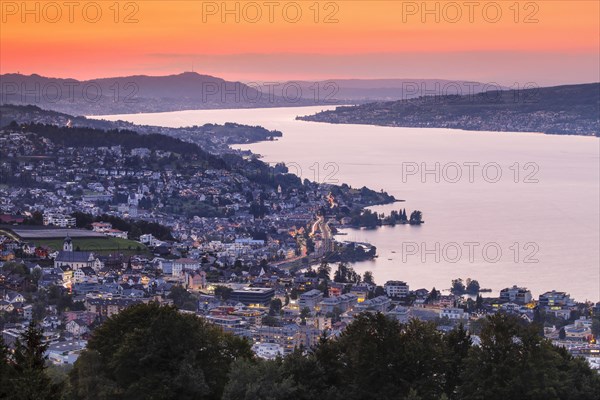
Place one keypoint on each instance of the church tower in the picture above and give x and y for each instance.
(68, 244)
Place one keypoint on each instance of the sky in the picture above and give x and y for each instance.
(510, 42)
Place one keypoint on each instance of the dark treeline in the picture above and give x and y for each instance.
(90, 137)
(134, 228)
(369, 219)
(154, 352)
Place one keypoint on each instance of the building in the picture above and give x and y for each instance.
(288, 336)
(77, 327)
(516, 295)
(453, 313)
(184, 264)
(60, 220)
(267, 351)
(253, 296)
(101, 227)
(342, 303)
(378, 304)
(229, 323)
(73, 259)
(116, 233)
(195, 280)
(61, 353)
(108, 307)
(400, 313)
(361, 292)
(85, 275)
(310, 300)
(335, 289)
(396, 289)
(555, 299)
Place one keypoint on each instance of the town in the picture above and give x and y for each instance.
(90, 229)
(276, 310)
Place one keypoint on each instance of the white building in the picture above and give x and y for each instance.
(65, 352)
(396, 289)
(310, 299)
(186, 264)
(60, 220)
(268, 351)
(453, 313)
(516, 294)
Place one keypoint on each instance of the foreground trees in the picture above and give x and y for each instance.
(513, 361)
(154, 352)
(22, 373)
(378, 358)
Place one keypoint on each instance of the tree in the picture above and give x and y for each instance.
(596, 327)
(562, 335)
(323, 286)
(341, 273)
(324, 270)
(368, 277)
(258, 380)
(310, 246)
(152, 351)
(180, 296)
(6, 371)
(30, 380)
(472, 286)
(458, 287)
(458, 341)
(378, 358)
(275, 307)
(413, 395)
(304, 313)
(513, 361)
(270, 320)
(416, 218)
(223, 292)
(36, 275)
(433, 295)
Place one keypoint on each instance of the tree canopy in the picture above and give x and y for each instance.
(155, 352)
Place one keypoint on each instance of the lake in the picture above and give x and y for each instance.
(502, 208)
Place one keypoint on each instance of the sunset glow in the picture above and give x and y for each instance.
(545, 41)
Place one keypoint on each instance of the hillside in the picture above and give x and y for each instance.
(140, 93)
(563, 110)
(212, 138)
(77, 137)
(193, 91)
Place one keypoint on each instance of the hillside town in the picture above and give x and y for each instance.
(88, 231)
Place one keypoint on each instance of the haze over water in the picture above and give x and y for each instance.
(555, 221)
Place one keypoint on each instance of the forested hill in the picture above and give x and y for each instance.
(89, 137)
(210, 137)
(563, 110)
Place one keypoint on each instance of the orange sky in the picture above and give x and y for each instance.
(545, 41)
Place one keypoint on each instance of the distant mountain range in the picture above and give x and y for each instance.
(131, 94)
(566, 110)
(193, 91)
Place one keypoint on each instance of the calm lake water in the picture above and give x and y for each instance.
(502, 208)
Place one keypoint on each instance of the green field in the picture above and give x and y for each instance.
(96, 245)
